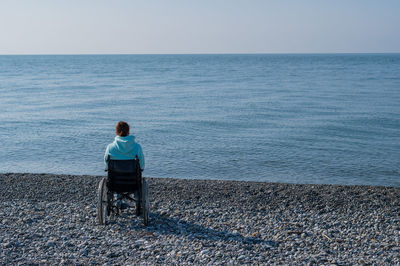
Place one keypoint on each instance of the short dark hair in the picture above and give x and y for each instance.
(122, 129)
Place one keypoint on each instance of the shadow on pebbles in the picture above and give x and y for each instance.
(51, 219)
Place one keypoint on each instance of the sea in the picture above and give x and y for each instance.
(287, 118)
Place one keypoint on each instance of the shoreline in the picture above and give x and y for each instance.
(205, 179)
(48, 219)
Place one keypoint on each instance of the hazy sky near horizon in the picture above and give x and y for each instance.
(202, 26)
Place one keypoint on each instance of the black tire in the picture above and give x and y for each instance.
(145, 202)
(102, 202)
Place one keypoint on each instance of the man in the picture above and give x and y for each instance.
(124, 146)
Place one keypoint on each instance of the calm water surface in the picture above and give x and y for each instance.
(279, 118)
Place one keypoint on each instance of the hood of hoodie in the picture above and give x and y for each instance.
(124, 144)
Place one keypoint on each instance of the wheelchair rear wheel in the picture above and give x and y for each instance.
(145, 202)
(103, 208)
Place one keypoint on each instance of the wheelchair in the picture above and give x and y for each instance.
(124, 178)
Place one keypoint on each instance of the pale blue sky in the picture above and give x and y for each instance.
(202, 26)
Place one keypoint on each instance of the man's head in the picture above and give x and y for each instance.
(122, 129)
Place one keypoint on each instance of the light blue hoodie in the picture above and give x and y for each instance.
(124, 148)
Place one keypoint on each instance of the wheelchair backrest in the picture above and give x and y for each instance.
(123, 175)
(123, 166)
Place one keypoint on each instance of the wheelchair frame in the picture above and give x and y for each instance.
(107, 203)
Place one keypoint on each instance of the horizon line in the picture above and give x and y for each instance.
(272, 53)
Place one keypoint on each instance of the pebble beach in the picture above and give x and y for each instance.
(50, 219)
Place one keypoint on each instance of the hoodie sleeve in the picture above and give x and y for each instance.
(106, 155)
(141, 157)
